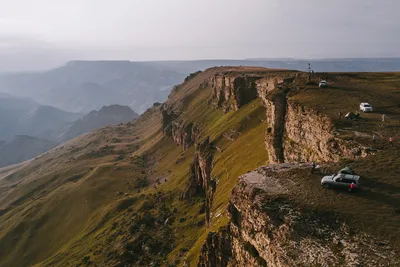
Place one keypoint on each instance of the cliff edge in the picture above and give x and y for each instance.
(268, 227)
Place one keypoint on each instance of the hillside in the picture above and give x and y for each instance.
(163, 189)
(31, 129)
(107, 115)
(21, 148)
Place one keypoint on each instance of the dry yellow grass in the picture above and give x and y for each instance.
(65, 205)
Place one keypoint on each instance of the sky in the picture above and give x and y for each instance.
(37, 34)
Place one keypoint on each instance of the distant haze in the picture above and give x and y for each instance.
(41, 34)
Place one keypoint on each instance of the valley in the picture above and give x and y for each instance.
(28, 129)
(218, 175)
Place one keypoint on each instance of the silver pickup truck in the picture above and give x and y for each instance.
(341, 181)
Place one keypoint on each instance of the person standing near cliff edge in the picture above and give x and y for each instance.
(313, 166)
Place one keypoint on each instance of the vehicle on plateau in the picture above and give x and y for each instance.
(365, 107)
(322, 83)
(345, 179)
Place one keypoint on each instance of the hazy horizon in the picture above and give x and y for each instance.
(43, 34)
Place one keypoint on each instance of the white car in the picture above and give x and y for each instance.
(365, 107)
(322, 83)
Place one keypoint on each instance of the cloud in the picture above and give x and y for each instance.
(193, 29)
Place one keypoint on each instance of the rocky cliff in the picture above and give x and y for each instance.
(183, 133)
(200, 181)
(232, 91)
(299, 134)
(295, 132)
(168, 116)
(267, 228)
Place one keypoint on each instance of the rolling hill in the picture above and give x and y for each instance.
(218, 176)
(31, 129)
(107, 115)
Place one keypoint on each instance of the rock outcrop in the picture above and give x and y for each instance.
(299, 134)
(295, 133)
(200, 181)
(183, 133)
(231, 91)
(267, 228)
(217, 249)
(168, 116)
(275, 105)
(309, 136)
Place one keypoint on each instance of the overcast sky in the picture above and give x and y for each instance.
(42, 33)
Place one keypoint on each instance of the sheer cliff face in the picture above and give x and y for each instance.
(276, 118)
(294, 133)
(298, 134)
(233, 91)
(183, 133)
(268, 229)
(309, 136)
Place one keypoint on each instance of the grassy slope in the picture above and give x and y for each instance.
(376, 207)
(346, 91)
(62, 208)
(65, 205)
(62, 191)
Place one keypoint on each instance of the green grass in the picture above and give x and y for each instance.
(61, 220)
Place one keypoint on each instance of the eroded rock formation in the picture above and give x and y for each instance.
(275, 105)
(233, 91)
(217, 249)
(299, 134)
(268, 229)
(168, 116)
(183, 133)
(200, 181)
(295, 133)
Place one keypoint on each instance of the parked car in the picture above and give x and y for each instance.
(341, 180)
(365, 107)
(322, 83)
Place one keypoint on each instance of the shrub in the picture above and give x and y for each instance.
(192, 75)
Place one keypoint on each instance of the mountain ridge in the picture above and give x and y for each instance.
(81, 86)
(159, 189)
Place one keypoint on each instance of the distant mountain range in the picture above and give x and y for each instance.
(107, 115)
(28, 129)
(319, 65)
(83, 86)
(23, 116)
